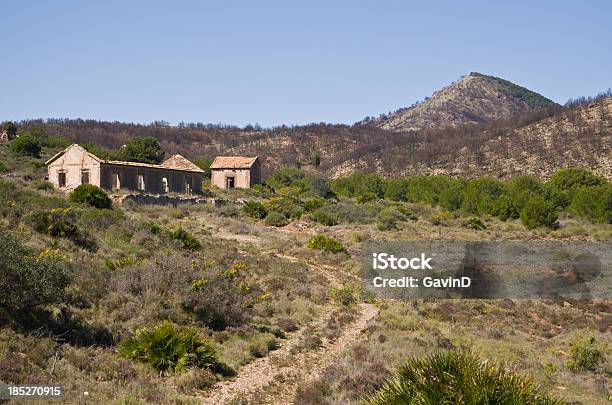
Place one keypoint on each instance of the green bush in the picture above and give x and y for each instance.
(593, 203)
(204, 163)
(91, 195)
(26, 145)
(570, 178)
(586, 352)
(43, 185)
(475, 223)
(188, 241)
(457, 378)
(480, 194)
(282, 205)
(320, 187)
(313, 203)
(169, 348)
(255, 210)
(366, 198)
(427, 189)
(358, 184)
(26, 279)
(538, 212)
(451, 198)
(503, 208)
(288, 177)
(396, 189)
(276, 219)
(60, 222)
(3, 168)
(389, 218)
(325, 243)
(142, 149)
(344, 295)
(324, 218)
(348, 213)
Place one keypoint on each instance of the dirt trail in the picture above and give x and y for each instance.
(274, 379)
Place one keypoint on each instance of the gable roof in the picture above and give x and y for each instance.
(233, 162)
(176, 162)
(180, 163)
(73, 146)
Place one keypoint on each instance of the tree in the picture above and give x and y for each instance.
(143, 150)
(204, 163)
(593, 203)
(567, 179)
(10, 129)
(538, 212)
(28, 280)
(26, 145)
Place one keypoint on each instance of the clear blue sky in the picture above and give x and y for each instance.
(275, 62)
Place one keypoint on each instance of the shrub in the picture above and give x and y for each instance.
(204, 163)
(43, 185)
(188, 241)
(366, 198)
(60, 222)
(169, 348)
(288, 176)
(457, 378)
(396, 189)
(359, 184)
(569, 178)
(538, 212)
(586, 352)
(320, 187)
(503, 208)
(348, 213)
(91, 195)
(388, 219)
(325, 243)
(26, 279)
(3, 168)
(313, 203)
(593, 203)
(276, 219)
(218, 302)
(480, 193)
(282, 205)
(344, 295)
(475, 223)
(324, 218)
(255, 209)
(26, 145)
(427, 189)
(451, 199)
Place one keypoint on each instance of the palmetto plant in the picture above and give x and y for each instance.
(169, 348)
(457, 378)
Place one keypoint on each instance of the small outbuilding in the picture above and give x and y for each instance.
(235, 172)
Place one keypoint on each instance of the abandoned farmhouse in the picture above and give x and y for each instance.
(238, 172)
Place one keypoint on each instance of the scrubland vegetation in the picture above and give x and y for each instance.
(153, 304)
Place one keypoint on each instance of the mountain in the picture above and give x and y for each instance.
(475, 98)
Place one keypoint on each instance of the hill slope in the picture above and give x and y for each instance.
(475, 98)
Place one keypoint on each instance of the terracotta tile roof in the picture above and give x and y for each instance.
(180, 163)
(233, 162)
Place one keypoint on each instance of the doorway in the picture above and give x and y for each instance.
(229, 182)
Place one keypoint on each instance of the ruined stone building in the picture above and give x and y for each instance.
(235, 171)
(75, 166)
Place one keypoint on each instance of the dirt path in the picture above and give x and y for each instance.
(274, 379)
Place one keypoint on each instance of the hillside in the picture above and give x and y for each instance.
(476, 98)
(538, 142)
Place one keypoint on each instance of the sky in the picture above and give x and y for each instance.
(286, 62)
